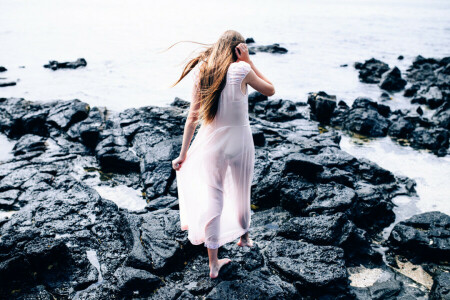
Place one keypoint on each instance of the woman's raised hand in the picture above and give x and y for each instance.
(242, 52)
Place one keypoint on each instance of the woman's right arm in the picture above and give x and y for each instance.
(189, 128)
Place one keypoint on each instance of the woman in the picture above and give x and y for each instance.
(214, 175)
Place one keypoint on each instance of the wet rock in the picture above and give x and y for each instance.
(295, 260)
(274, 48)
(385, 97)
(332, 230)
(256, 97)
(162, 240)
(249, 40)
(392, 80)
(178, 102)
(388, 289)
(3, 69)
(371, 70)
(322, 106)
(156, 167)
(162, 202)
(7, 83)
(366, 122)
(365, 117)
(30, 145)
(258, 137)
(302, 165)
(401, 128)
(412, 90)
(55, 65)
(442, 116)
(276, 110)
(441, 287)
(257, 285)
(113, 153)
(63, 114)
(425, 235)
(133, 282)
(373, 207)
(400, 57)
(304, 187)
(430, 79)
(433, 139)
(419, 110)
(331, 198)
(431, 96)
(88, 130)
(8, 199)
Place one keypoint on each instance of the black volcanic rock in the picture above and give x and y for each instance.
(392, 80)
(371, 70)
(274, 48)
(304, 187)
(55, 65)
(424, 235)
(322, 106)
(7, 83)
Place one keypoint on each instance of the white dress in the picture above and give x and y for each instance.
(214, 180)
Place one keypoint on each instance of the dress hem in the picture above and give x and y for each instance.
(216, 246)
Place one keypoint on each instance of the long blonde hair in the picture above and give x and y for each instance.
(212, 73)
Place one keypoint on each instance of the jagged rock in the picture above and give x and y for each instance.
(249, 40)
(55, 65)
(301, 174)
(30, 145)
(392, 80)
(441, 287)
(322, 106)
(371, 70)
(274, 48)
(133, 282)
(7, 83)
(63, 114)
(442, 116)
(425, 235)
(3, 69)
(401, 128)
(312, 268)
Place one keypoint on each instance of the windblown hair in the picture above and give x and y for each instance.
(212, 73)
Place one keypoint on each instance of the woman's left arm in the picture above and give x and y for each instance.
(189, 127)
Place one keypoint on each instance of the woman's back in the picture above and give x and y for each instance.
(233, 103)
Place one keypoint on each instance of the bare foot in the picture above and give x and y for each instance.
(245, 242)
(214, 269)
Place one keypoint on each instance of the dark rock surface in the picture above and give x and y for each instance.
(392, 80)
(316, 208)
(3, 69)
(430, 81)
(7, 83)
(274, 48)
(426, 236)
(371, 70)
(55, 65)
(372, 119)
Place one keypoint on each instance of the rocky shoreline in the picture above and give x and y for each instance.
(317, 211)
(428, 83)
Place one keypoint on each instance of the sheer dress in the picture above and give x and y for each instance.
(214, 180)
